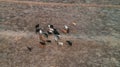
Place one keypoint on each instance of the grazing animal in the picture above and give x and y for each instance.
(50, 30)
(46, 35)
(69, 43)
(64, 31)
(56, 38)
(42, 35)
(37, 30)
(40, 31)
(37, 26)
(42, 43)
(74, 23)
(60, 43)
(66, 28)
(56, 32)
(50, 26)
(29, 48)
(49, 41)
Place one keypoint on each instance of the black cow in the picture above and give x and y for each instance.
(29, 48)
(37, 30)
(69, 43)
(49, 41)
(56, 32)
(37, 26)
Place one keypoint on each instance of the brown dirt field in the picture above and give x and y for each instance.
(84, 52)
(95, 38)
(61, 4)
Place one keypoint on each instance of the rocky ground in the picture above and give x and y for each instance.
(96, 37)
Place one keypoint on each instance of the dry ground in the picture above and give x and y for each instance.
(96, 37)
(84, 52)
(115, 2)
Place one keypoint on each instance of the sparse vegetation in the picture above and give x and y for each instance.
(96, 36)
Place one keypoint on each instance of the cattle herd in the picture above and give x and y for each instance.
(51, 30)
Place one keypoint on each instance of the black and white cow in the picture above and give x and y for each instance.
(56, 34)
(50, 26)
(50, 30)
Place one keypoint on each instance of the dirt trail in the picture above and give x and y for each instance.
(60, 4)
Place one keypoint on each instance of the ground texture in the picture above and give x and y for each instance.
(96, 37)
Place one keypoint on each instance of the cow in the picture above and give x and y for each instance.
(45, 34)
(40, 31)
(37, 26)
(29, 48)
(42, 43)
(49, 41)
(74, 23)
(66, 28)
(50, 30)
(60, 43)
(56, 38)
(50, 26)
(64, 31)
(69, 43)
(37, 30)
(56, 32)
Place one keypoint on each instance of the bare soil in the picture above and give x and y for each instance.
(95, 38)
